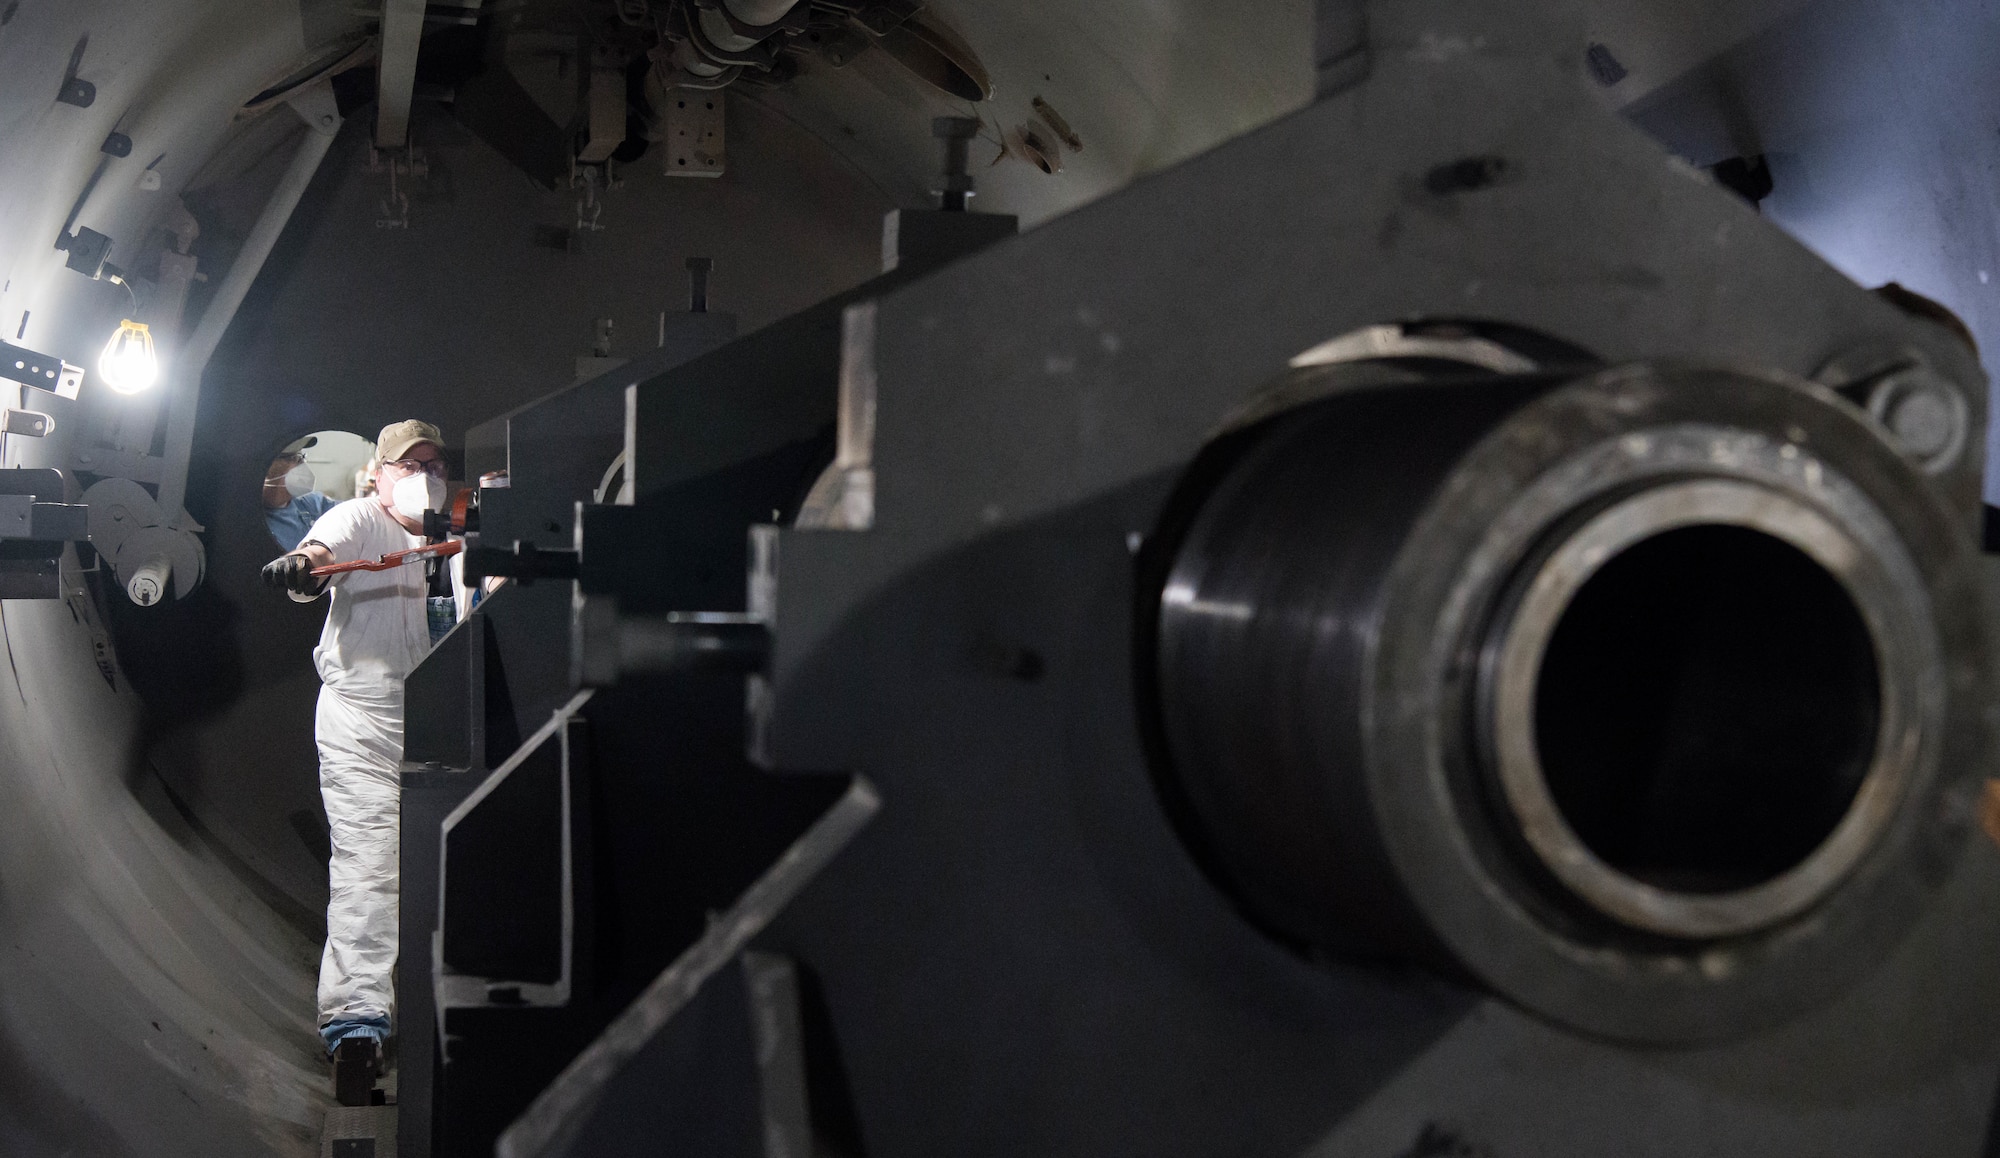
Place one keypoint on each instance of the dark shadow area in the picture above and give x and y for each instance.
(179, 819)
(183, 657)
(1992, 1147)
(1021, 909)
(36, 1117)
(693, 1089)
(311, 827)
(830, 1096)
(1706, 708)
(674, 828)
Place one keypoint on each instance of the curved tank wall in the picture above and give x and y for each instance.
(1875, 120)
(151, 991)
(161, 848)
(161, 842)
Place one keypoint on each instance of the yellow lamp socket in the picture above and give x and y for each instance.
(129, 365)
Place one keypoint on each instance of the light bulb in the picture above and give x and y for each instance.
(128, 364)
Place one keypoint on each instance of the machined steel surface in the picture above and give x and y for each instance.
(1672, 808)
(1905, 653)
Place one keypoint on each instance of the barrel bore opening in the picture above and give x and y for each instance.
(1706, 709)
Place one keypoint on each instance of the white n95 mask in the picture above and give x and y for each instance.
(416, 494)
(299, 480)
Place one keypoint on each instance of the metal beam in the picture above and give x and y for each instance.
(396, 71)
(553, 1120)
(315, 105)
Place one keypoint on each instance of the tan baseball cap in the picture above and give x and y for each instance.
(397, 438)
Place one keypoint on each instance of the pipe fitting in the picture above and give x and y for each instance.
(148, 584)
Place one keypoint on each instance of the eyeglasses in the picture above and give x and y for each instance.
(435, 467)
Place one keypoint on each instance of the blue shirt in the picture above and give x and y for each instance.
(290, 522)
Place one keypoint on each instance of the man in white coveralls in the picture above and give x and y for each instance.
(379, 626)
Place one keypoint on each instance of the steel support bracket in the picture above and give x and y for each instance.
(109, 462)
(42, 371)
(21, 517)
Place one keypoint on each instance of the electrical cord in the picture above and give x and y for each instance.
(119, 279)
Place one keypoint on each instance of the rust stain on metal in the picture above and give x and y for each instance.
(1057, 124)
(1989, 811)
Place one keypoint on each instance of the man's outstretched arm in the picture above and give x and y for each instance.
(293, 569)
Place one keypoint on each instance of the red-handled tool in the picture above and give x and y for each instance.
(443, 550)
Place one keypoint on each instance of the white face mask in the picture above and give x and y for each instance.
(417, 493)
(299, 480)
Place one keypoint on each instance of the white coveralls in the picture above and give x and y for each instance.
(376, 633)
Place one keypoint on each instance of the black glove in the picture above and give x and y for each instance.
(292, 572)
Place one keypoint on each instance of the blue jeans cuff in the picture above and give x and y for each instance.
(342, 1028)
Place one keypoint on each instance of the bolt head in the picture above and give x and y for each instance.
(1922, 422)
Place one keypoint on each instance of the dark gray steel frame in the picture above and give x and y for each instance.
(1035, 403)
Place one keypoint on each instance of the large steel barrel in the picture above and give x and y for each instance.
(1651, 698)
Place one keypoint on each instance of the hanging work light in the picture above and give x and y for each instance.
(128, 364)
